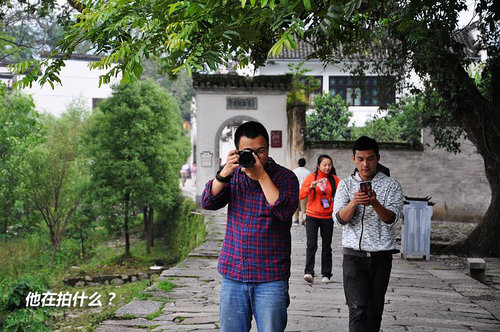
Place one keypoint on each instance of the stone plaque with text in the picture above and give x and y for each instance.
(241, 103)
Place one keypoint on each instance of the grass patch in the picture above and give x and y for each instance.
(144, 296)
(156, 314)
(87, 318)
(148, 327)
(127, 317)
(165, 286)
(28, 255)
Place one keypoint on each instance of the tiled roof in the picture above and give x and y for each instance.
(84, 57)
(225, 81)
(305, 49)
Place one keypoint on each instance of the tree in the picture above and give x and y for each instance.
(303, 86)
(405, 35)
(29, 28)
(330, 119)
(402, 123)
(20, 131)
(137, 148)
(181, 88)
(58, 174)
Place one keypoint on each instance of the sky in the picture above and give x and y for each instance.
(466, 16)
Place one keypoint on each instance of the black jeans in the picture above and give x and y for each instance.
(365, 284)
(326, 230)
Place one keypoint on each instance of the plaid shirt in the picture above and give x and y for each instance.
(257, 244)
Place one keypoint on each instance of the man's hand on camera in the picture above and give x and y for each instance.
(256, 172)
(231, 164)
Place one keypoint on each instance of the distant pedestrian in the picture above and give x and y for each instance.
(367, 205)
(301, 172)
(193, 170)
(184, 173)
(319, 187)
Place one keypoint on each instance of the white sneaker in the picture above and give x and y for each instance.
(325, 280)
(309, 278)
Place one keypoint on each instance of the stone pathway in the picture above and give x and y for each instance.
(422, 295)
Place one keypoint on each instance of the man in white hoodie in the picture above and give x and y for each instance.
(367, 218)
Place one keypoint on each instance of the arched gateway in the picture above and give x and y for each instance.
(224, 102)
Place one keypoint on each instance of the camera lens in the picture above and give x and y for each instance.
(246, 158)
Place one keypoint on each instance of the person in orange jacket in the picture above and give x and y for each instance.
(319, 187)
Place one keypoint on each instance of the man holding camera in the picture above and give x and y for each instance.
(367, 206)
(262, 197)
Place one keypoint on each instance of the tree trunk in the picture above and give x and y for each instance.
(482, 122)
(151, 223)
(480, 118)
(55, 249)
(147, 227)
(82, 240)
(5, 225)
(483, 241)
(148, 220)
(125, 225)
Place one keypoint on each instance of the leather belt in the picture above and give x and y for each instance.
(362, 253)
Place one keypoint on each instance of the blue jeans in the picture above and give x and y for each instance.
(267, 301)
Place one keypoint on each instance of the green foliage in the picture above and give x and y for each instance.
(155, 314)
(402, 123)
(329, 120)
(182, 35)
(20, 131)
(137, 148)
(14, 316)
(302, 85)
(181, 88)
(17, 291)
(187, 35)
(182, 228)
(55, 191)
(165, 285)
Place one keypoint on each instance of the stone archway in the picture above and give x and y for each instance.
(235, 121)
(222, 100)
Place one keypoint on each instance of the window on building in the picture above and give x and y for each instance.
(363, 91)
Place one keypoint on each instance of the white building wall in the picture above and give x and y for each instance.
(78, 82)
(213, 116)
(316, 68)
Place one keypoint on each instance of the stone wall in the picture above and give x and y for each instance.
(107, 280)
(456, 183)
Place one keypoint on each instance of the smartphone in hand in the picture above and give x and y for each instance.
(366, 187)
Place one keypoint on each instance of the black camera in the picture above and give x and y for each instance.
(246, 158)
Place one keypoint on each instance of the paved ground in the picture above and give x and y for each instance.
(422, 296)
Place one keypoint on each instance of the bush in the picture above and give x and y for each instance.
(401, 124)
(329, 120)
(14, 316)
(182, 230)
